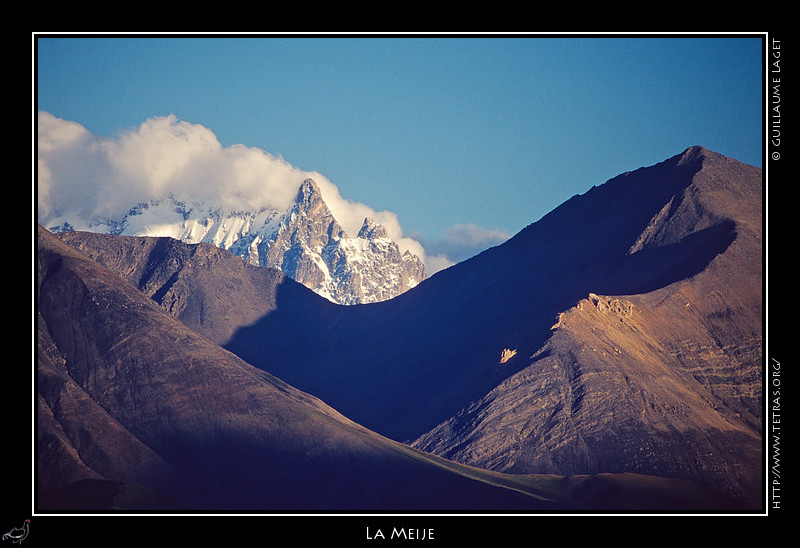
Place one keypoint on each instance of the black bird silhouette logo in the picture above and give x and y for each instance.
(18, 534)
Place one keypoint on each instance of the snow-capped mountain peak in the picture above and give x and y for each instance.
(305, 242)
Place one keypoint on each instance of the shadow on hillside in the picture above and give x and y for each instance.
(403, 366)
(655, 267)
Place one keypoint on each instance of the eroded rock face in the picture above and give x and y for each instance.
(609, 392)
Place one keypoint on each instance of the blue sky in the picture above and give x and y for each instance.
(442, 131)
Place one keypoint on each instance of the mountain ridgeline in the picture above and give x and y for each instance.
(305, 242)
(136, 411)
(616, 341)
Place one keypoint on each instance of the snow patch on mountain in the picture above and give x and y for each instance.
(305, 242)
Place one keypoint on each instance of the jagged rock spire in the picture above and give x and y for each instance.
(305, 242)
(370, 230)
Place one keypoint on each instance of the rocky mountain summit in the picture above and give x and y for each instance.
(312, 248)
(305, 242)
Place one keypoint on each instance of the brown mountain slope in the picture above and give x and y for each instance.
(137, 409)
(633, 313)
(205, 287)
(663, 380)
(138, 412)
(672, 388)
(446, 336)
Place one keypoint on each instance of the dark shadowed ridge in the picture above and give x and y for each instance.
(138, 411)
(405, 365)
(427, 363)
(633, 311)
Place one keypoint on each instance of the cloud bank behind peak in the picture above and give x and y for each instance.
(89, 176)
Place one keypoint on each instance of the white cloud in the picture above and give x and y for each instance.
(67, 166)
(435, 263)
(94, 176)
(82, 173)
(351, 215)
(460, 242)
(86, 175)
